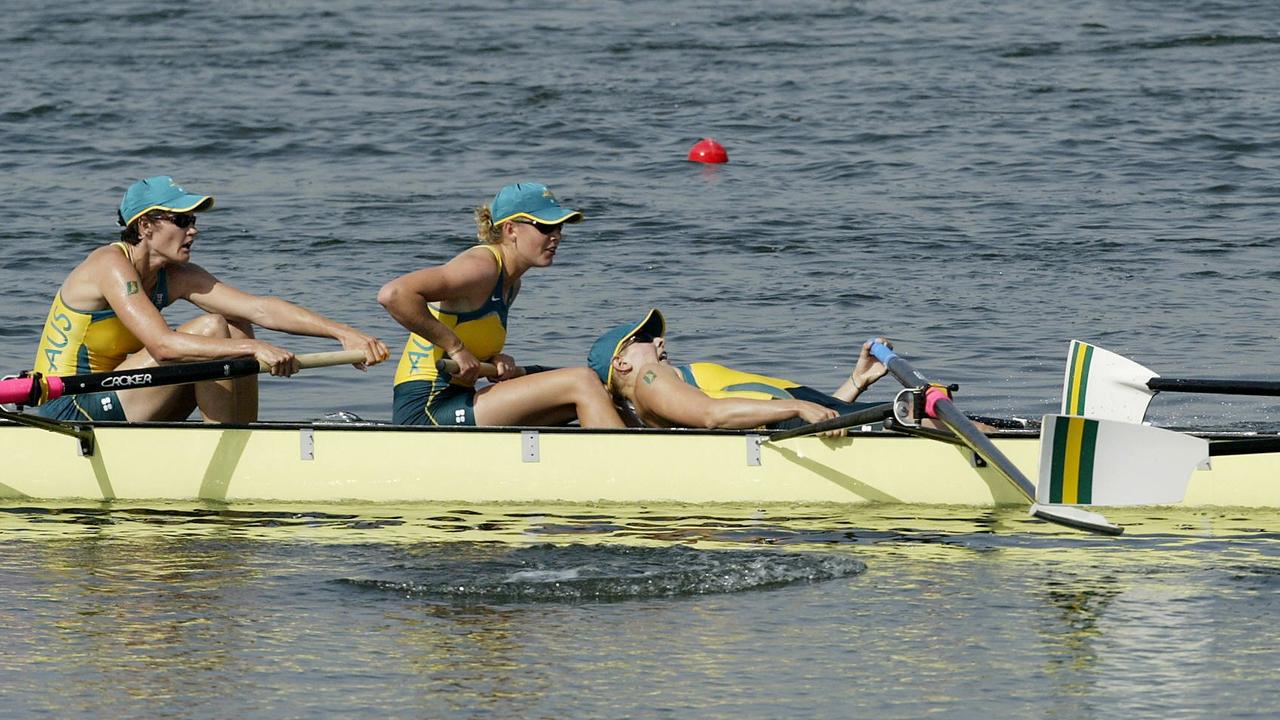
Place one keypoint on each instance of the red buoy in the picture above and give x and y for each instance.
(707, 150)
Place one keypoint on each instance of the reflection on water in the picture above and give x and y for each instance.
(459, 611)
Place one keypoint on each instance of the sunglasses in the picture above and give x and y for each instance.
(543, 228)
(182, 220)
(637, 339)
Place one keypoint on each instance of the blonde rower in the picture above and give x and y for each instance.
(459, 310)
(631, 360)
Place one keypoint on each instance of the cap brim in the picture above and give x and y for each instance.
(549, 216)
(555, 216)
(188, 203)
(182, 203)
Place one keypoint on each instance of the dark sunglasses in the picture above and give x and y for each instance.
(543, 228)
(182, 220)
(638, 339)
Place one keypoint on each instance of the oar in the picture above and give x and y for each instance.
(38, 389)
(489, 370)
(1248, 446)
(939, 406)
(1108, 462)
(874, 414)
(1101, 384)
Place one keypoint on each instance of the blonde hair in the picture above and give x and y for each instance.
(486, 231)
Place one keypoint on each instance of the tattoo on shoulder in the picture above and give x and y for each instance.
(649, 377)
(131, 287)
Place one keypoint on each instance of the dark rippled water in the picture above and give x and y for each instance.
(447, 611)
(979, 181)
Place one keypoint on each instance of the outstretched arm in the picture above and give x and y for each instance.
(118, 282)
(212, 295)
(660, 393)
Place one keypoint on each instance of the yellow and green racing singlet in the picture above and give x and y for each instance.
(75, 342)
(483, 331)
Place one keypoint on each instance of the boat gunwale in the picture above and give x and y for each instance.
(380, 426)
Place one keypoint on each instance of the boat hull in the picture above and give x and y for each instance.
(301, 463)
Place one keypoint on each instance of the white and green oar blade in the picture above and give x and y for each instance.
(1075, 517)
(1088, 461)
(1101, 384)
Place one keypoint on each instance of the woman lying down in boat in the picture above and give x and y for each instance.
(631, 360)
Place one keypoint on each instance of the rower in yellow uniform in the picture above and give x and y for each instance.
(459, 311)
(106, 316)
(631, 360)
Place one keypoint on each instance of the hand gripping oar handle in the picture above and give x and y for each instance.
(489, 370)
(874, 414)
(38, 389)
(939, 406)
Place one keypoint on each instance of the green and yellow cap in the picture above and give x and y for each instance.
(600, 357)
(159, 193)
(531, 201)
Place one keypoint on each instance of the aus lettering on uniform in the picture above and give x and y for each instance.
(62, 324)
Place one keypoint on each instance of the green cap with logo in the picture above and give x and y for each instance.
(531, 201)
(159, 193)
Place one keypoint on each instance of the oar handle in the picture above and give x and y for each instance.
(324, 359)
(882, 352)
(901, 369)
(487, 370)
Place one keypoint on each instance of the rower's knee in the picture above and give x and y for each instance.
(589, 385)
(217, 326)
(211, 325)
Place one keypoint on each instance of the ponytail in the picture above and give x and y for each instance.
(486, 231)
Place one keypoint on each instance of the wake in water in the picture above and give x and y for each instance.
(483, 573)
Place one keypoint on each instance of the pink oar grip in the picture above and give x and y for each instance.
(19, 390)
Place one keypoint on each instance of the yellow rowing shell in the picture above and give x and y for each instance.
(354, 462)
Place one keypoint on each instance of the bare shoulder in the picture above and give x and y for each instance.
(478, 260)
(663, 398)
(188, 279)
(657, 377)
(106, 256)
(82, 287)
(464, 282)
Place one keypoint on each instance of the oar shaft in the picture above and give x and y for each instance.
(961, 425)
(874, 414)
(950, 415)
(23, 390)
(155, 376)
(488, 370)
(1216, 387)
(955, 420)
(1251, 446)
